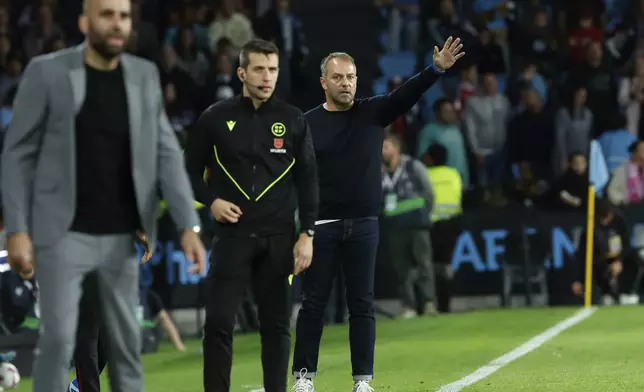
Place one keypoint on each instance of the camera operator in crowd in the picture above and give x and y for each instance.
(408, 199)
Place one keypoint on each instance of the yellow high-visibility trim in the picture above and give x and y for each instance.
(163, 205)
(228, 174)
(276, 180)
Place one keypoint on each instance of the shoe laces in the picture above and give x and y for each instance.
(303, 384)
(363, 386)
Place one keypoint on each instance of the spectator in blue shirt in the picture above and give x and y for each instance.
(615, 142)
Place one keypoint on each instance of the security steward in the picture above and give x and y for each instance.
(262, 162)
(445, 217)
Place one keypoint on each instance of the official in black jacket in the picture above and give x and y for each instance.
(610, 250)
(262, 166)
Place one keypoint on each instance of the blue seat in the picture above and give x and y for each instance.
(429, 57)
(380, 86)
(502, 82)
(486, 5)
(384, 40)
(431, 96)
(397, 64)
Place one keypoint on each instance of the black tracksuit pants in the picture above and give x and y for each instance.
(89, 356)
(236, 262)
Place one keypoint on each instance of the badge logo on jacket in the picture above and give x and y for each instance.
(278, 130)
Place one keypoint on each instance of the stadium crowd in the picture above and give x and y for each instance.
(544, 86)
(540, 80)
(546, 104)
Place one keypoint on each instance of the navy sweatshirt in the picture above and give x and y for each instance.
(348, 148)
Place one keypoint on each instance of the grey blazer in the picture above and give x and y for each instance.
(38, 171)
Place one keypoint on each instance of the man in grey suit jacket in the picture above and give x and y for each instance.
(87, 150)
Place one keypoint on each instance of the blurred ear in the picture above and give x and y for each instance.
(83, 24)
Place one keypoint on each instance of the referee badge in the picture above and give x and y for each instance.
(278, 143)
(278, 129)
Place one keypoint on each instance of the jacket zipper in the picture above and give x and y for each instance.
(252, 137)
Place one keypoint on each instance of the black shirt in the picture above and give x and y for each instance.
(261, 160)
(610, 243)
(348, 148)
(105, 199)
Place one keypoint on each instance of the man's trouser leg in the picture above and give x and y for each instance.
(118, 284)
(60, 273)
(422, 255)
(401, 251)
(231, 260)
(89, 356)
(317, 282)
(358, 253)
(272, 292)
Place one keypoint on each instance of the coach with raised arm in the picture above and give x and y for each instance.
(347, 136)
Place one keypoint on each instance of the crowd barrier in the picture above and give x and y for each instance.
(485, 240)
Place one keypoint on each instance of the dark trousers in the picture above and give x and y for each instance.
(352, 245)
(89, 356)
(266, 263)
(411, 253)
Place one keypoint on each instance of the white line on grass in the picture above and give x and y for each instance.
(518, 352)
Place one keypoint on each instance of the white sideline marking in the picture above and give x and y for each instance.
(518, 352)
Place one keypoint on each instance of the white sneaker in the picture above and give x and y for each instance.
(608, 300)
(303, 384)
(362, 386)
(629, 299)
(407, 314)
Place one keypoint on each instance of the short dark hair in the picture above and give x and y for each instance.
(256, 46)
(619, 121)
(439, 103)
(575, 154)
(633, 146)
(438, 154)
(603, 208)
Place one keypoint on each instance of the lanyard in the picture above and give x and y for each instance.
(389, 182)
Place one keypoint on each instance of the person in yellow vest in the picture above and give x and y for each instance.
(407, 204)
(448, 195)
(447, 184)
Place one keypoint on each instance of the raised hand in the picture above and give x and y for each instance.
(445, 58)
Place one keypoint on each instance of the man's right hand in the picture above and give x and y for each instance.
(225, 212)
(20, 254)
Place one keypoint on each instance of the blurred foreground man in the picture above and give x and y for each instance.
(87, 150)
(347, 136)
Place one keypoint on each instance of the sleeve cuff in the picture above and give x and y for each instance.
(304, 226)
(436, 70)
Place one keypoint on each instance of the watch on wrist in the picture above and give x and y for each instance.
(194, 229)
(310, 233)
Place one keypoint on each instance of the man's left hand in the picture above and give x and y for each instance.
(302, 254)
(195, 251)
(146, 245)
(616, 268)
(445, 58)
